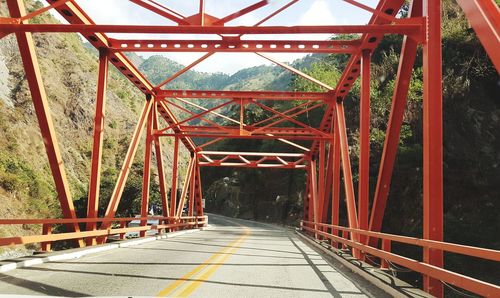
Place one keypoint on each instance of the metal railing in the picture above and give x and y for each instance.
(119, 228)
(453, 278)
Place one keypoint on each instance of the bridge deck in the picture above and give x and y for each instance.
(234, 259)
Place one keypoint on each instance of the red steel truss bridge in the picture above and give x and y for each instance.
(321, 151)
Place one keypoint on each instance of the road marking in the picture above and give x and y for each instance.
(190, 288)
(225, 253)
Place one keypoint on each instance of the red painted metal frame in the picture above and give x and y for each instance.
(406, 29)
(323, 160)
(95, 171)
(484, 16)
(252, 159)
(256, 95)
(433, 142)
(235, 45)
(364, 144)
(402, 85)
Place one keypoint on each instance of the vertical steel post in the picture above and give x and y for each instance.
(95, 170)
(146, 175)
(401, 87)
(336, 177)
(192, 188)
(198, 193)
(321, 181)
(433, 142)
(314, 195)
(364, 144)
(129, 158)
(328, 184)
(41, 105)
(185, 187)
(159, 164)
(46, 230)
(307, 201)
(346, 167)
(173, 191)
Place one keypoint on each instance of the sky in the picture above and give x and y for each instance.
(304, 12)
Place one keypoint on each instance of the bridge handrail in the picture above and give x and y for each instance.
(187, 221)
(472, 251)
(465, 282)
(15, 221)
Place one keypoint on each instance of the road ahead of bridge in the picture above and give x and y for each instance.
(234, 258)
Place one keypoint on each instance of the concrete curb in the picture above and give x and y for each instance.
(376, 278)
(77, 253)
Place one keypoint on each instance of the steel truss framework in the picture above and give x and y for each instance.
(325, 158)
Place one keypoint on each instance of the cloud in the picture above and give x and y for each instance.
(319, 13)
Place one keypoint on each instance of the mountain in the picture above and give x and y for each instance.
(263, 77)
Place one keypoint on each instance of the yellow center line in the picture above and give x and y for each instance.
(190, 288)
(228, 250)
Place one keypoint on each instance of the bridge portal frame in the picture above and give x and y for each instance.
(323, 160)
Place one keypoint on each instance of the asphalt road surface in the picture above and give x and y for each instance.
(234, 258)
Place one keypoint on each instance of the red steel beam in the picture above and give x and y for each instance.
(241, 12)
(433, 142)
(328, 183)
(284, 117)
(407, 28)
(391, 143)
(196, 116)
(236, 45)
(95, 170)
(259, 154)
(75, 15)
(364, 144)
(180, 72)
(129, 158)
(42, 110)
(187, 179)
(146, 174)
(346, 167)
(370, 40)
(42, 10)
(266, 136)
(178, 123)
(296, 71)
(173, 189)
(252, 165)
(159, 163)
(321, 180)
(170, 118)
(192, 189)
(162, 11)
(198, 193)
(234, 130)
(375, 12)
(314, 190)
(484, 17)
(256, 95)
(336, 178)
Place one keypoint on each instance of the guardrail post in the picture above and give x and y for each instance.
(386, 246)
(47, 230)
(123, 224)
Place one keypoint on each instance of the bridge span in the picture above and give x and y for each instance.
(231, 258)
